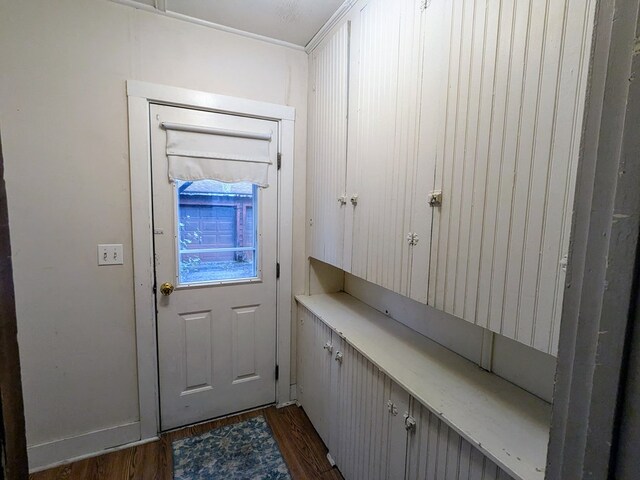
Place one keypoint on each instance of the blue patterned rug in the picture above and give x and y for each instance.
(242, 451)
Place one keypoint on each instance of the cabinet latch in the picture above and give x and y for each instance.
(339, 356)
(409, 422)
(328, 347)
(393, 409)
(435, 198)
(342, 199)
(354, 199)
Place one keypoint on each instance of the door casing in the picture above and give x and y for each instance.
(140, 96)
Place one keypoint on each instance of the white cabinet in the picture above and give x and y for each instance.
(314, 371)
(507, 151)
(327, 158)
(481, 101)
(384, 121)
(366, 81)
(436, 451)
(374, 429)
(355, 408)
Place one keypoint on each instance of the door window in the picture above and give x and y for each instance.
(217, 231)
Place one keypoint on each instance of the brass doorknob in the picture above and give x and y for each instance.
(166, 289)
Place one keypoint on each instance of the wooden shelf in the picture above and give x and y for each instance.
(506, 423)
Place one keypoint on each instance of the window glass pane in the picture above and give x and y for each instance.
(216, 231)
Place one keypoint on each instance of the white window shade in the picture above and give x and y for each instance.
(209, 153)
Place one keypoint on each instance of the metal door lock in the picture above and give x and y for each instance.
(435, 198)
(409, 422)
(339, 356)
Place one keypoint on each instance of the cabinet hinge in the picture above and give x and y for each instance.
(277, 372)
(278, 270)
(279, 160)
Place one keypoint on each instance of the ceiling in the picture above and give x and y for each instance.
(292, 21)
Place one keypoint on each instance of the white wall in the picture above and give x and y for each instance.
(63, 121)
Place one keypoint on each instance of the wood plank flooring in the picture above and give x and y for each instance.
(301, 447)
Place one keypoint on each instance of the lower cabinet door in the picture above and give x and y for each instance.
(368, 437)
(314, 370)
(437, 451)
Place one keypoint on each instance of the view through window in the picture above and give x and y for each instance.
(217, 235)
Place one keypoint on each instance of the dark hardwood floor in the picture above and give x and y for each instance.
(299, 443)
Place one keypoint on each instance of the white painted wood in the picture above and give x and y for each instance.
(49, 454)
(436, 451)
(314, 371)
(383, 136)
(205, 23)
(517, 363)
(335, 19)
(327, 157)
(506, 162)
(368, 441)
(507, 424)
(209, 331)
(140, 95)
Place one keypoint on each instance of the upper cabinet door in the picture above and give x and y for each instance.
(384, 115)
(327, 160)
(507, 150)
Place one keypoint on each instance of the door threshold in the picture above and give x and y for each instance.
(221, 417)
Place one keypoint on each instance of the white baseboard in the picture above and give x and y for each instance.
(71, 449)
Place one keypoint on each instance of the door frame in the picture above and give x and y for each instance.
(140, 96)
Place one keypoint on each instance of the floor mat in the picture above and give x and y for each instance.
(244, 450)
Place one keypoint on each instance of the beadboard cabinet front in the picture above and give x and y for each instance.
(463, 133)
(508, 142)
(373, 428)
(327, 168)
(355, 408)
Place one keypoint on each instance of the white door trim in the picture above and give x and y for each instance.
(140, 96)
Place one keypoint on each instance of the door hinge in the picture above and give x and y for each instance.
(278, 270)
(277, 372)
(279, 160)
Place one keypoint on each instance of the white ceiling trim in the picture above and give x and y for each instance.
(332, 22)
(217, 26)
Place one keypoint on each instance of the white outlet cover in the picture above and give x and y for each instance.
(110, 254)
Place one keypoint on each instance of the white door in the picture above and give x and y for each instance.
(215, 243)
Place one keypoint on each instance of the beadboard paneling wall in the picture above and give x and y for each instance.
(383, 138)
(369, 442)
(506, 162)
(436, 451)
(314, 371)
(327, 158)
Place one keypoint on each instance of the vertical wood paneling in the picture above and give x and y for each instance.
(383, 140)
(436, 452)
(327, 159)
(314, 370)
(369, 443)
(506, 162)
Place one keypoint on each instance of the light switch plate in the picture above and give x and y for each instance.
(110, 254)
